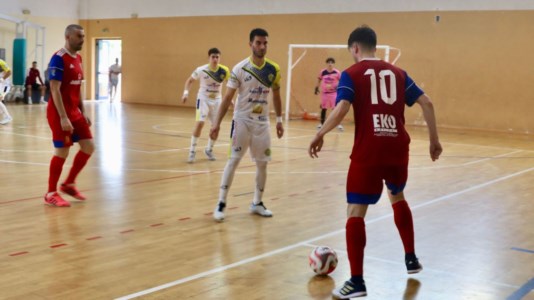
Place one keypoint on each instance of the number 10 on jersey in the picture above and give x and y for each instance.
(387, 98)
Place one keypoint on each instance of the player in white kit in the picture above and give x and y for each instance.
(253, 79)
(211, 78)
(5, 85)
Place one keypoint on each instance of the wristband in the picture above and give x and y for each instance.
(278, 119)
(186, 93)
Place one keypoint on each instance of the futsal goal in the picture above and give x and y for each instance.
(304, 64)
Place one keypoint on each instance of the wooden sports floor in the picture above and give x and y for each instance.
(146, 230)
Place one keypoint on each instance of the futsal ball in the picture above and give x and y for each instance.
(323, 260)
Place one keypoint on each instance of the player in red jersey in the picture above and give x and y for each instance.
(378, 92)
(31, 83)
(66, 117)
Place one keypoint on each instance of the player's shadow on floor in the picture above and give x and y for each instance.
(411, 290)
(320, 287)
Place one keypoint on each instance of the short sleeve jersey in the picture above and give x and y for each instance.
(3, 68)
(378, 92)
(67, 69)
(329, 80)
(210, 81)
(253, 84)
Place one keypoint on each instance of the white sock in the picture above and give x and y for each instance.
(227, 178)
(193, 143)
(42, 98)
(261, 178)
(3, 109)
(210, 144)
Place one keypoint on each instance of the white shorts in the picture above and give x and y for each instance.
(207, 109)
(256, 136)
(4, 89)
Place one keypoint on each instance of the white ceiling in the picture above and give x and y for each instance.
(102, 9)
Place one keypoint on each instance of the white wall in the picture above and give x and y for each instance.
(108, 9)
(42, 8)
(103, 9)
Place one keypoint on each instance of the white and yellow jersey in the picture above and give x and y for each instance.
(210, 81)
(5, 85)
(253, 84)
(3, 68)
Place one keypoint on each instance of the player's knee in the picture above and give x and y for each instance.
(61, 152)
(233, 162)
(261, 165)
(88, 146)
(395, 197)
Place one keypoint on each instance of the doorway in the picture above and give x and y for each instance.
(107, 51)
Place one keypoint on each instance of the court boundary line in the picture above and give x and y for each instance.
(393, 262)
(302, 243)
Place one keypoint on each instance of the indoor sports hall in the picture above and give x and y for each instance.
(146, 230)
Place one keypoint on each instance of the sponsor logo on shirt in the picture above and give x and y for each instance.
(385, 125)
(259, 91)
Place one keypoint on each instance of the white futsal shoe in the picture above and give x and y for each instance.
(191, 158)
(260, 209)
(218, 213)
(209, 154)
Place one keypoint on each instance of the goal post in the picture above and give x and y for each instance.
(297, 54)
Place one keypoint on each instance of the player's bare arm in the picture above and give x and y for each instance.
(223, 108)
(317, 91)
(55, 86)
(277, 102)
(187, 86)
(430, 119)
(6, 74)
(337, 115)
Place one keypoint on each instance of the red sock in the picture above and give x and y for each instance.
(56, 166)
(79, 162)
(404, 221)
(355, 235)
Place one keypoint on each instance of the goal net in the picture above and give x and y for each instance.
(304, 65)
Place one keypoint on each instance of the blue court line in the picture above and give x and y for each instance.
(523, 250)
(522, 291)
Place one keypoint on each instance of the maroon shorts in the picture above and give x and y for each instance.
(365, 182)
(66, 139)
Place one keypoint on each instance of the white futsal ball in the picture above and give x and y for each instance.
(323, 260)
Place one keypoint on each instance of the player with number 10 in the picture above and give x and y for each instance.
(378, 92)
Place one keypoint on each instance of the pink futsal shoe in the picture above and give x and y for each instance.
(56, 200)
(72, 191)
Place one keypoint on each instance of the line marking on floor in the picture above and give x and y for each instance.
(310, 241)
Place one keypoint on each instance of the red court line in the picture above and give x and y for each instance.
(93, 238)
(184, 219)
(136, 182)
(57, 246)
(156, 225)
(208, 214)
(19, 253)
(235, 207)
(293, 195)
(127, 231)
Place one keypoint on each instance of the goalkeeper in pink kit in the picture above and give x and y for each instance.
(327, 82)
